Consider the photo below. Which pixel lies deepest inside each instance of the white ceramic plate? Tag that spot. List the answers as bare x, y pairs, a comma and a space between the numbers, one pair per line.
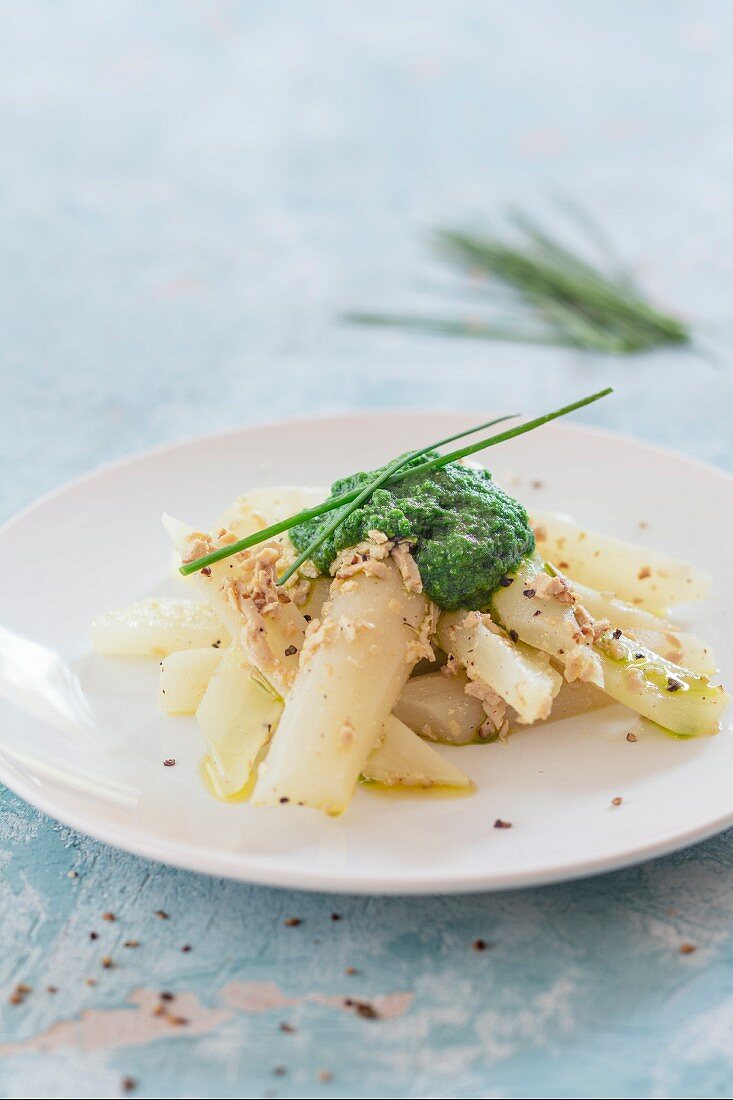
81, 737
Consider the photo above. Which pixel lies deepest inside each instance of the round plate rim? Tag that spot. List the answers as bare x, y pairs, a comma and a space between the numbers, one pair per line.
235, 868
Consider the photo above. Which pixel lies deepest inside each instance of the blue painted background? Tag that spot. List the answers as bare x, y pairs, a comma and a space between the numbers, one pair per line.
189, 193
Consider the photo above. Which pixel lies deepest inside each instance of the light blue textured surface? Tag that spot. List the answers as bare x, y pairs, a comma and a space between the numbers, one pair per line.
189, 194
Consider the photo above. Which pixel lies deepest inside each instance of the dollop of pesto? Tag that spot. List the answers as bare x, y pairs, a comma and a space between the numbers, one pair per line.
467, 532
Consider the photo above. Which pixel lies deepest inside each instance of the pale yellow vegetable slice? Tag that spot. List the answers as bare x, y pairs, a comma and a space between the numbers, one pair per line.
237, 715
521, 676
260, 508
436, 706
155, 627
404, 759
677, 698
184, 677
352, 671
659, 634
646, 578
281, 632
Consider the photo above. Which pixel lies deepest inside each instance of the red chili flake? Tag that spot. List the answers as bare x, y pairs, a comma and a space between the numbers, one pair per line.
161, 913
292, 922
108, 916
291, 650
687, 948
169, 763
499, 824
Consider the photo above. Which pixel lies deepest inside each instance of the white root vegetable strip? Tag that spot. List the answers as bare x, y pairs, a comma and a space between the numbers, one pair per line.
404, 759
644, 577
522, 678
658, 634
237, 716
437, 707
572, 700
646, 684
353, 668
156, 627
271, 642
260, 508
184, 677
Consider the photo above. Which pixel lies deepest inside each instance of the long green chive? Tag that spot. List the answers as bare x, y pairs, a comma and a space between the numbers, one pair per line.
400, 475
321, 509
371, 487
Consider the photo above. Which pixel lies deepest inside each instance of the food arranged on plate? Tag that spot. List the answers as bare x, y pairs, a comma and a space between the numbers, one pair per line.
328, 638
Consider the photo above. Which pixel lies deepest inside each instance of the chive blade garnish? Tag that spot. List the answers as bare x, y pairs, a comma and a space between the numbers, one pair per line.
422, 468
320, 509
387, 474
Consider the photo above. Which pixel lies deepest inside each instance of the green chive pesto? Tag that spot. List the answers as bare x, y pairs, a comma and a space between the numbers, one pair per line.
467, 532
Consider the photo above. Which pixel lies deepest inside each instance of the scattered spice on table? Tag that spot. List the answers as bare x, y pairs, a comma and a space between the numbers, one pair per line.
335, 916
186, 948
169, 763
288, 1029
128, 1084
107, 962
108, 916
479, 945
687, 948
94, 935
131, 943
616, 801
292, 922
499, 824
325, 1075
351, 970
161, 914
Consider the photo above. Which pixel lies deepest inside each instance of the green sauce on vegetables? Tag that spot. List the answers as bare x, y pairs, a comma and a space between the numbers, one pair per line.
467, 532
